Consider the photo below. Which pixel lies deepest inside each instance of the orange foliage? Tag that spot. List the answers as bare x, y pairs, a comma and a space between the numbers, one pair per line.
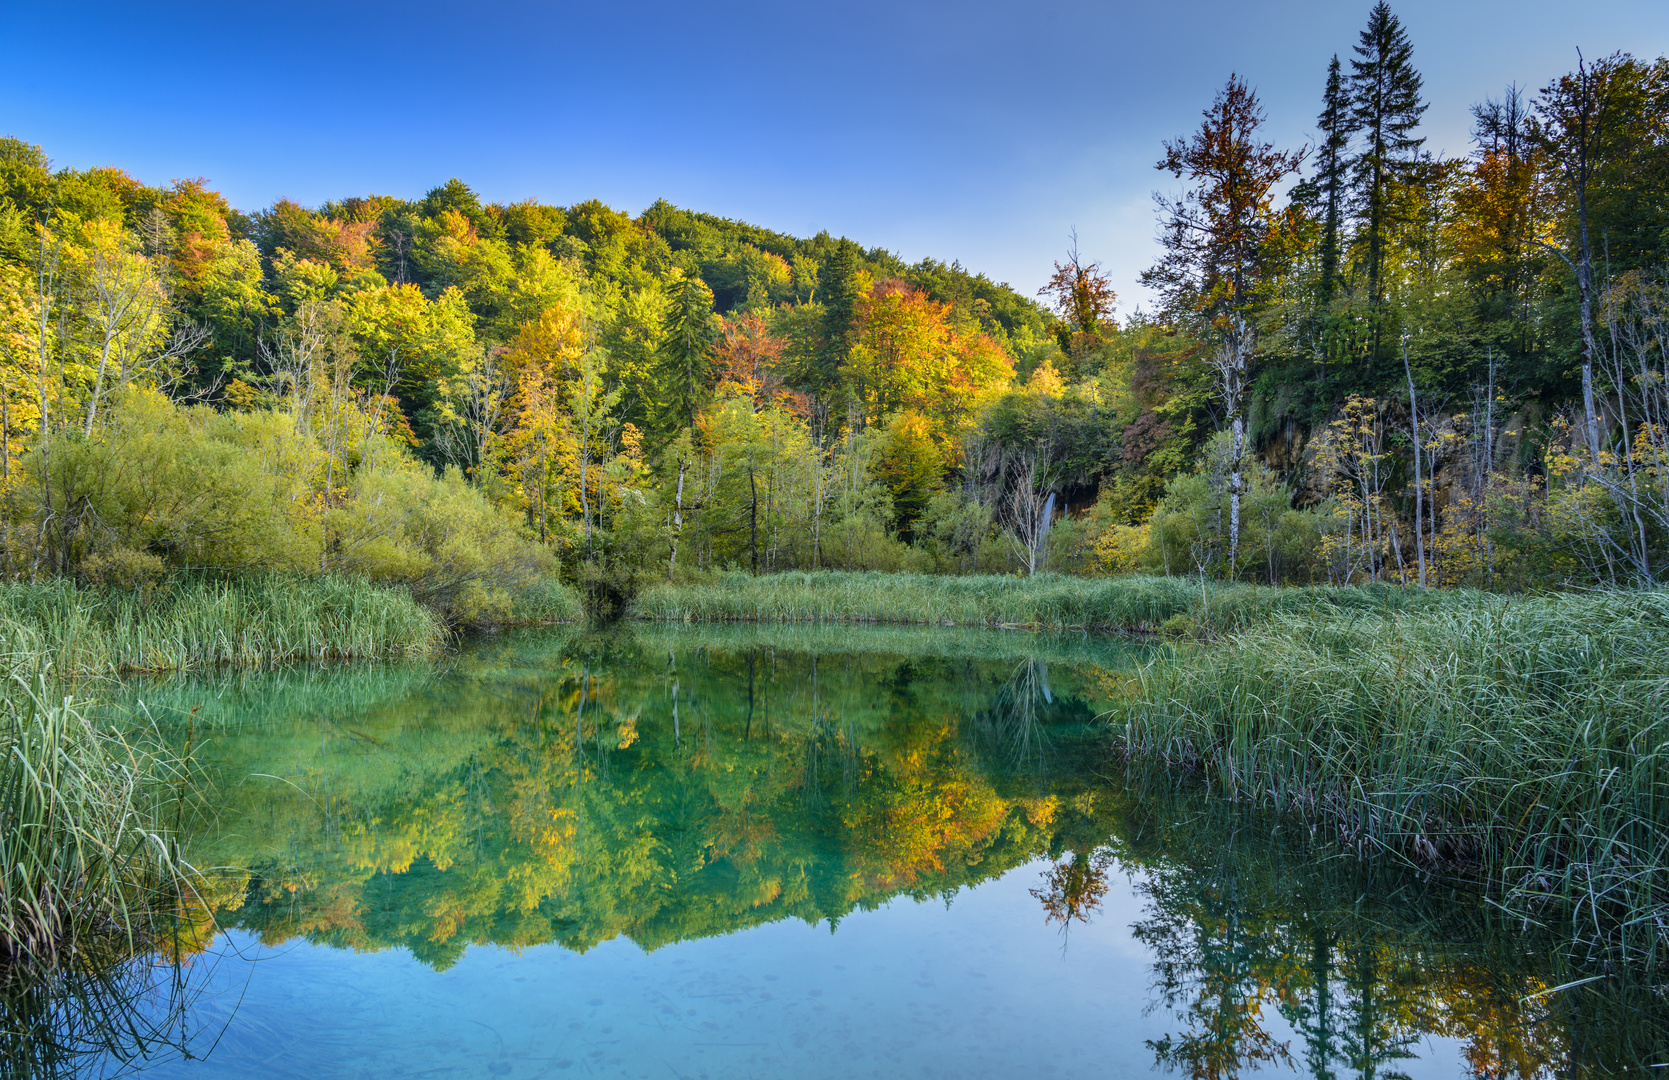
747, 357
909, 356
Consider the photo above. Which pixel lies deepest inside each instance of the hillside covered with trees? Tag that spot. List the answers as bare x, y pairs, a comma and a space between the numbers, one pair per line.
1369, 362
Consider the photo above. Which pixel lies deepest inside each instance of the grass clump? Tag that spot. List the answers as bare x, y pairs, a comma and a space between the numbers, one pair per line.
85, 864
195, 622
1525, 742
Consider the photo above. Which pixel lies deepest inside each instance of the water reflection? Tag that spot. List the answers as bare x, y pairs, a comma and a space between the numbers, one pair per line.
672, 786
103, 1016
1269, 953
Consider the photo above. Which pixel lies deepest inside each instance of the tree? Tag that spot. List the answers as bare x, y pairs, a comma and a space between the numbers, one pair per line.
686, 353
1576, 118
1386, 108
1500, 210
748, 357
1224, 244
1336, 124
1082, 294
840, 287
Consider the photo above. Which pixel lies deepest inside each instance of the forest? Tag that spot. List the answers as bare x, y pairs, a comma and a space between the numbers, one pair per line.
1368, 362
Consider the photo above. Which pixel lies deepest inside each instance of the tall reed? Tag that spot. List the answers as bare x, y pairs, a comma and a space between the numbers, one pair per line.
1524, 741
84, 863
197, 622
1047, 601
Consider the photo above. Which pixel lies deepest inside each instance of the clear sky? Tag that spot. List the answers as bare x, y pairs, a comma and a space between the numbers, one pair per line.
976, 131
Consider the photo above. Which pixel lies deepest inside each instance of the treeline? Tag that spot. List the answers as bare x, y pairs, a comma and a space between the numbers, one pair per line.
1369, 362
1457, 362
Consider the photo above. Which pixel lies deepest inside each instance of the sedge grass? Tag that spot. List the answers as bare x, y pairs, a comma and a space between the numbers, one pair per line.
195, 622
1523, 742
86, 866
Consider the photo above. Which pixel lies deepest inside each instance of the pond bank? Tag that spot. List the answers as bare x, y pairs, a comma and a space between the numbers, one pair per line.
270, 619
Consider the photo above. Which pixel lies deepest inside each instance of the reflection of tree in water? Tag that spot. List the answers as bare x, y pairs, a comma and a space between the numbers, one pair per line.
661, 794
1015, 732
1206, 948
1362, 964
615, 791
1073, 887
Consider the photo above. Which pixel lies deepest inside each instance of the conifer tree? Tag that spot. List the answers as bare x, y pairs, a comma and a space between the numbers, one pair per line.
1332, 172
1224, 247
1385, 108
686, 358
837, 288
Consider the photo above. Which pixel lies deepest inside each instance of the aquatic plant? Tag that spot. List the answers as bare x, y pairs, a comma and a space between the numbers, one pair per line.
84, 862
1524, 741
195, 622
1050, 601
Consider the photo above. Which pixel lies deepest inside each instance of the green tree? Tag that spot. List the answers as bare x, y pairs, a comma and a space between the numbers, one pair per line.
1385, 108
686, 353
839, 289
1331, 175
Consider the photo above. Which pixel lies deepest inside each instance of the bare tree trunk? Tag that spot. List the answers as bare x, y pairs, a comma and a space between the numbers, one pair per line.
1419, 489
677, 519
1231, 373
585, 498
753, 517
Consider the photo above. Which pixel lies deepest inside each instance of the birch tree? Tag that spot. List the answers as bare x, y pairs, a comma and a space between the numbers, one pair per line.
1224, 243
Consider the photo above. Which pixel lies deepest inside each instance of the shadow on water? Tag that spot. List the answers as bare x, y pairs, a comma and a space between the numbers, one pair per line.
673, 784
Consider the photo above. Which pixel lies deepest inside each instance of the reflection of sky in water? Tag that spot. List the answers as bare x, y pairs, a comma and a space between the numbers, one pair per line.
982, 988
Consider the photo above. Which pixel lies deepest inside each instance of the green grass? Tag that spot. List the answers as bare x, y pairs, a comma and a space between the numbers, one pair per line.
1524, 742
194, 622
84, 863
547, 601
1047, 601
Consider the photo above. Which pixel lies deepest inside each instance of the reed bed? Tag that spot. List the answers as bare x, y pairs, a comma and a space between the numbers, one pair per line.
194, 623
546, 601
85, 863
1047, 601
1524, 742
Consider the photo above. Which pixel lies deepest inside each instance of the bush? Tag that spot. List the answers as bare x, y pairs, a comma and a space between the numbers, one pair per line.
454, 551
191, 489
123, 568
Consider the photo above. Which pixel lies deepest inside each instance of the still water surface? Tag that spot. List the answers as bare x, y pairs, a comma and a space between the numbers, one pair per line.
794, 853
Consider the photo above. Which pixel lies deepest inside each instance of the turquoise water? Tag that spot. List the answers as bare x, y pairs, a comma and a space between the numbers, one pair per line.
793, 853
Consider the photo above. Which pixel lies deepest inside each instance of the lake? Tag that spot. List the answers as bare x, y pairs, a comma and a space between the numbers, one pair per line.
789, 852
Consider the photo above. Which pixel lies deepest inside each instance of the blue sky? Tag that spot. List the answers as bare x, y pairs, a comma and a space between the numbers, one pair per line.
977, 131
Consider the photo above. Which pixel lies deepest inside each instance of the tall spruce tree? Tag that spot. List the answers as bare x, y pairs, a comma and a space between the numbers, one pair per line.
1332, 172
686, 354
837, 288
1385, 108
